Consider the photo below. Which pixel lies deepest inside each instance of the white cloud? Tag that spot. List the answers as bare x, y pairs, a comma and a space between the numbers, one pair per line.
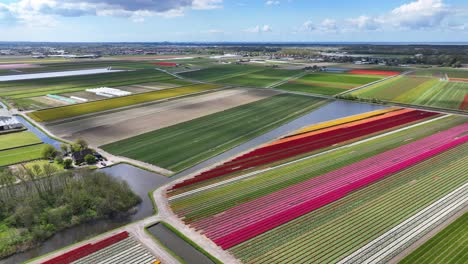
272, 2
259, 29
365, 23
328, 25
212, 31
419, 14
416, 15
31, 11
308, 26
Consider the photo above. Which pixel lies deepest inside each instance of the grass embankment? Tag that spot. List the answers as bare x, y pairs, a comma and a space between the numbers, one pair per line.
57, 85
328, 83
186, 144
102, 105
448, 246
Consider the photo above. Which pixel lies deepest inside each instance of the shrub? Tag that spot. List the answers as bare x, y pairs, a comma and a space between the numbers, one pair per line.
48, 152
67, 163
90, 159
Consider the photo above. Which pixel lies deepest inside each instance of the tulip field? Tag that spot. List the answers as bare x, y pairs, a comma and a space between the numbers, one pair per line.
270, 215
307, 142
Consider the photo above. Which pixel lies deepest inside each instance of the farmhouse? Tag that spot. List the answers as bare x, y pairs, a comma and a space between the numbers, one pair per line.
8, 122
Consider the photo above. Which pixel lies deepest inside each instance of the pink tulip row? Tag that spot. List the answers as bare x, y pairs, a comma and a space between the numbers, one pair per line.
248, 220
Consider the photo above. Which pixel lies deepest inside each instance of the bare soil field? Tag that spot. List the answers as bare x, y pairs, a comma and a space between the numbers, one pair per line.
106, 128
49, 101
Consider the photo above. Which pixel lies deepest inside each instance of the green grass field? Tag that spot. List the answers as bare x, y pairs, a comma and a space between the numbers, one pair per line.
241, 75
448, 246
39, 87
19, 139
426, 91
220, 72
328, 83
102, 105
336, 230
186, 144
262, 79
22, 154
216, 200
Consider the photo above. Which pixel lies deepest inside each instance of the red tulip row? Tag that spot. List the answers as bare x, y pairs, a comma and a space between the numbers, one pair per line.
464, 104
250, 219
87, 249
287, 149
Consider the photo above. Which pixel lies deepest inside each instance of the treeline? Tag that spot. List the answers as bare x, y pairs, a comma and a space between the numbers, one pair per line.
37, 202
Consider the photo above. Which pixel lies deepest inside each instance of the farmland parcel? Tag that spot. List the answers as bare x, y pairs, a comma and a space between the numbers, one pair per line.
39, 87
183, 145
97, 106
417, 90
105, 128
355, 214
328, 83
242, 75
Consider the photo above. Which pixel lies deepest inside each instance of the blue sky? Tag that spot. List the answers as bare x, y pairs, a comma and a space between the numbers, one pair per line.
234, 20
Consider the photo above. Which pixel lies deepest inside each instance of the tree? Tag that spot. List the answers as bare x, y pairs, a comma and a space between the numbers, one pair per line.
48, 152
65, 148
67, 163
90, 159
82, 143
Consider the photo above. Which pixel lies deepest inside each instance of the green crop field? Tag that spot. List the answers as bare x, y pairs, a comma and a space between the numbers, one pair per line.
219, 72
448, 246
419, 91
241, 75
22, 154
183, 145
19, 139
216, 200
39, 87
336, 230
102, 105
328, 83
263, 78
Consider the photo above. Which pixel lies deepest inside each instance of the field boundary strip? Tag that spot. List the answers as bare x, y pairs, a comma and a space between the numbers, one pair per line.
299, 160
381, 251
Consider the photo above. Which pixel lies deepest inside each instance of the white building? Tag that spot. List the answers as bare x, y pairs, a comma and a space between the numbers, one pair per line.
8, 122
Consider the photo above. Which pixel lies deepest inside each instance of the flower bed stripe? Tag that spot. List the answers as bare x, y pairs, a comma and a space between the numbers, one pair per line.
374, 72
248, 220
464, 104
87, 249
341, 121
